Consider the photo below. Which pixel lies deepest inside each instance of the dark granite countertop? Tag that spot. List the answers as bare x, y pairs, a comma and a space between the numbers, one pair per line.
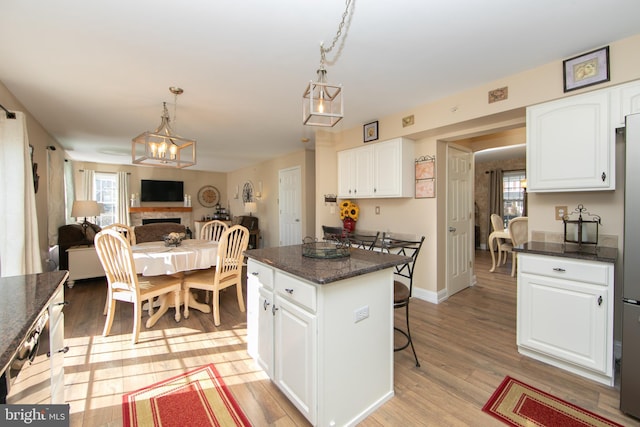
570, 250
22, 300
323, 271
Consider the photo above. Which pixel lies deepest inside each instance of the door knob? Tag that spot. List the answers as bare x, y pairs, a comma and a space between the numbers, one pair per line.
452, 229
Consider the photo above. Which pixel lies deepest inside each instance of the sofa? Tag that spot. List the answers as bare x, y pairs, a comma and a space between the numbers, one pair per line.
154, 232
73, 235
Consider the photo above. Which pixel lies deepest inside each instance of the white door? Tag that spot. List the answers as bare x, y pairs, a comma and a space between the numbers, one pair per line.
459, 219
289, 195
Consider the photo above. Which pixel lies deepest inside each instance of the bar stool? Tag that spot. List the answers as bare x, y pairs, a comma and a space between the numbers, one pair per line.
401, 291
366, 241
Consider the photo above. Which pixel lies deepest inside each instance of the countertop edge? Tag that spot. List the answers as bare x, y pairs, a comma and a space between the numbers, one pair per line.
591, 253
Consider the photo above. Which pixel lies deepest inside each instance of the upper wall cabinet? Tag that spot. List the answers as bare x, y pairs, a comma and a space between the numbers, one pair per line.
625, 100
571, 144
384, 169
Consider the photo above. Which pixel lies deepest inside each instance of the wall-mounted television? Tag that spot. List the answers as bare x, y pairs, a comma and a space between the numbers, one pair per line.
152, 190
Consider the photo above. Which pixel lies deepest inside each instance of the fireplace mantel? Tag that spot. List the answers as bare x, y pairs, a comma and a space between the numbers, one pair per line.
159, 209
137, 214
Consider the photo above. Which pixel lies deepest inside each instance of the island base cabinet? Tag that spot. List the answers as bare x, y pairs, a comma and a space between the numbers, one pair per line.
563, 321
333, 362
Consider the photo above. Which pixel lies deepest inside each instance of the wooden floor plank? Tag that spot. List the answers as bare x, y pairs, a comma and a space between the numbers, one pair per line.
466, 345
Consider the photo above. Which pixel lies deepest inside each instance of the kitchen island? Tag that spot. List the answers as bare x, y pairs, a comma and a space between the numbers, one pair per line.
565, 307
322, 329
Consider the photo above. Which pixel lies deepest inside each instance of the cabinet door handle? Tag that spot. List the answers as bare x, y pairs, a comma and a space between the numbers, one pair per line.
266, 304
62, 350
274, 309
604, 176
255, 273
63, 303
289, 291
600, 300
559, 270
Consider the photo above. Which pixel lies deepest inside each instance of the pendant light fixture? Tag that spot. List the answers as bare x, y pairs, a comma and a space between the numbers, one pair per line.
322, 102
162, 147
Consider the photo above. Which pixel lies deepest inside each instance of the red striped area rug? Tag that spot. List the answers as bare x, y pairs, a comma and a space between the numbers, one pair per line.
197, 398
518, 404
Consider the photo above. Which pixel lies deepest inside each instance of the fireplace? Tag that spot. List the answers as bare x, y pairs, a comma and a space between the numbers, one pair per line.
156, 220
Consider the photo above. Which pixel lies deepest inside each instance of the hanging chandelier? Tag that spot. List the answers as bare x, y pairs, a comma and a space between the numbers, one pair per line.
322, 102
162, 147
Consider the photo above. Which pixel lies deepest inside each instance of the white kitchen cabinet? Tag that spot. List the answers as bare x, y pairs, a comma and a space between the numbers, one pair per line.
335, 367
355, 172
384, 169
83, 263
565, 314
625, 100
57, 349
571, 144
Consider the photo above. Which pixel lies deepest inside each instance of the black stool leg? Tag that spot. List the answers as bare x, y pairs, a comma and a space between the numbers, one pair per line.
410, 340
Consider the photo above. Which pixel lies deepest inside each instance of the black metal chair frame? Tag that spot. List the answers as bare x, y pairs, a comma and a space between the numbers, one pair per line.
410, 248
333, 233
363, 241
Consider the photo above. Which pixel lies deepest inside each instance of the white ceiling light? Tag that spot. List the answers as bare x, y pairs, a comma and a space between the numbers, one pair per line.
162, 147
322, 102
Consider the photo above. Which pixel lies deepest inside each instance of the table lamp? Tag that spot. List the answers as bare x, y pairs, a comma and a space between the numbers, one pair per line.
85, 208
250, 207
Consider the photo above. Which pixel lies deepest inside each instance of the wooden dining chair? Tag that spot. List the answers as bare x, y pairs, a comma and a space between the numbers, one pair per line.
519, 231
504, 246
213, 230
126, 231
114, 252
227, 272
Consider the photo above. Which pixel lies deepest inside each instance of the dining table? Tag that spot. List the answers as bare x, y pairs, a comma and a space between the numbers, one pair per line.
500, 234
155, 259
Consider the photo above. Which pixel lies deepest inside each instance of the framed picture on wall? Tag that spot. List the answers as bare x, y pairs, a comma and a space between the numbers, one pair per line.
587, 69
425, 177
371, 131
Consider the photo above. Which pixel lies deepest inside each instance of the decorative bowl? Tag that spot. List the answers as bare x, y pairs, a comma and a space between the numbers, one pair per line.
173, 239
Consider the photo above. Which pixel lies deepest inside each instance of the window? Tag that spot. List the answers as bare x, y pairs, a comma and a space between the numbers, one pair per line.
513, 195
106, 194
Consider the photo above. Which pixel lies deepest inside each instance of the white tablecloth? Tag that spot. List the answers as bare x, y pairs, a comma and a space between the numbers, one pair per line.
154, 258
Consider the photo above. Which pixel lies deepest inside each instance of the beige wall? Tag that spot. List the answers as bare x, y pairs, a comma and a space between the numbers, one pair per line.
459, 117
268, 213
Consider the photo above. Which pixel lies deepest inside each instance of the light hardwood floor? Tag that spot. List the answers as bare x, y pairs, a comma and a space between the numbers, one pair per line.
466, 346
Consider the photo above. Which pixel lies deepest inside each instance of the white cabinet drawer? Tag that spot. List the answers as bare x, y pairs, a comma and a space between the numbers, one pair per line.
262, 272
568, 269
296, 291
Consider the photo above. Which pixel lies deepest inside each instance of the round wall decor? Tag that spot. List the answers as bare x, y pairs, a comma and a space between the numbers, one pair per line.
208, 196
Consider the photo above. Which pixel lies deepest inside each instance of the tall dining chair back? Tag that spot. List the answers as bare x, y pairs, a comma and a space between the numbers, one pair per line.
213, 230
403, 285
504, 246
519, 232
365, 241
128, 233
227, 272
124, 229
332, 233
116, 257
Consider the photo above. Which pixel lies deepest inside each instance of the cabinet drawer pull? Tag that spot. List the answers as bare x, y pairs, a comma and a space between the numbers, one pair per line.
600, 300
62, 350
63, 303
559, 270
255, 273
289, 291
604, 177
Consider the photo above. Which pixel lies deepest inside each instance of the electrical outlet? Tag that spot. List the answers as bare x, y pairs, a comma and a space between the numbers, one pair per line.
561, 211
377, 210
361, 313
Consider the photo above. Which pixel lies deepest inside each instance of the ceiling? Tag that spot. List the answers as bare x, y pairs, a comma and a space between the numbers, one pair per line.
95, 74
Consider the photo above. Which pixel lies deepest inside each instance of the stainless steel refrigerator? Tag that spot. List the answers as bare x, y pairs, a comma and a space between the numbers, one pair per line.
630, 362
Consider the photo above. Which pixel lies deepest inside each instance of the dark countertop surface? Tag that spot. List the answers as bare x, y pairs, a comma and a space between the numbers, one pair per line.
22, 300
570, 250
323, 271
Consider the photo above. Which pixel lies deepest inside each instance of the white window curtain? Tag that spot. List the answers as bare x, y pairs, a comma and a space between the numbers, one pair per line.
69, 191
122, 210
88, 181
19, 245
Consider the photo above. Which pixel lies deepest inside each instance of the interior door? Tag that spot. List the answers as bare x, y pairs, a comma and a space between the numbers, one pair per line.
459, 219
289, 193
